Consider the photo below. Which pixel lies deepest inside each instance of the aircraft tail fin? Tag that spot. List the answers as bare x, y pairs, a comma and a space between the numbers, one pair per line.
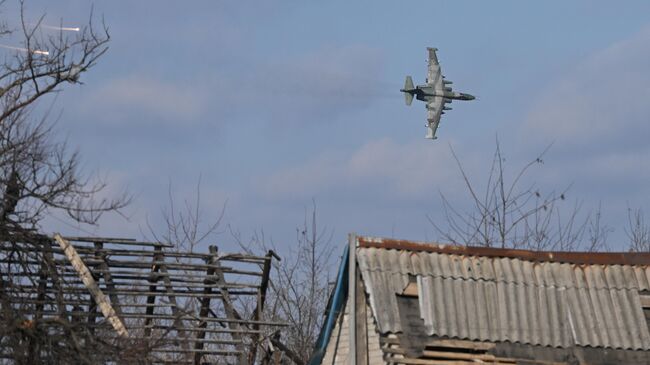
408, 85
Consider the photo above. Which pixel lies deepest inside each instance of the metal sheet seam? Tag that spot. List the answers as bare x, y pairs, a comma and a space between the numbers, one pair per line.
547, 304
615, 277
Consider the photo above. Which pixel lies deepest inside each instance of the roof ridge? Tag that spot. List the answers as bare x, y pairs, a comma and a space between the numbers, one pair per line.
573, 257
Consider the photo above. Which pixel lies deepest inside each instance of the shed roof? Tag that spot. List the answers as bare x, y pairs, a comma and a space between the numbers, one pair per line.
540, 298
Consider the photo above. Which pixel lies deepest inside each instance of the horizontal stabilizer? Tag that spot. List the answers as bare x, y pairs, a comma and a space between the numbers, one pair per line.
408, 98
408, 86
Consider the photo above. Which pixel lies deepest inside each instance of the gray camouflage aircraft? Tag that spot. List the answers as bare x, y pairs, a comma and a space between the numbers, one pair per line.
435, 93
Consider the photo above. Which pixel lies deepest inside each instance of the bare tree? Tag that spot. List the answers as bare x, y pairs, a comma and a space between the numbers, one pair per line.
299, 286
597, 232
185, 225
40, 176
37, 173
637, 230
512, 213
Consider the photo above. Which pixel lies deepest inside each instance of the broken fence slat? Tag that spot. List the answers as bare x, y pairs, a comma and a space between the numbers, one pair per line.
87, 278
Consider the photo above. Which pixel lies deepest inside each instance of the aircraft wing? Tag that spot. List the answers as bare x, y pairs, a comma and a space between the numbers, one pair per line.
434, 111
434, 76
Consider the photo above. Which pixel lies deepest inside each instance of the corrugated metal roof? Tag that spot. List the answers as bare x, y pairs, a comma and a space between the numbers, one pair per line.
510, 299
606, 258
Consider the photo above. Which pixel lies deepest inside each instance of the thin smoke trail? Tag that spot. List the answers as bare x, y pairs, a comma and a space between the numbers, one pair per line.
36, 51
70, 29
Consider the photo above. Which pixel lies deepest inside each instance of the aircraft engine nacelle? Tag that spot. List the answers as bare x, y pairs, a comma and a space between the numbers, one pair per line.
447, 82
447, 89
446, 108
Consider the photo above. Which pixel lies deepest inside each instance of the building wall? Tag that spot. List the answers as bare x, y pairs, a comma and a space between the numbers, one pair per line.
375, 354
337, 352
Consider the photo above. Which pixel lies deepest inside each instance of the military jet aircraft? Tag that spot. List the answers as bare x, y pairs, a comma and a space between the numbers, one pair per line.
435, 93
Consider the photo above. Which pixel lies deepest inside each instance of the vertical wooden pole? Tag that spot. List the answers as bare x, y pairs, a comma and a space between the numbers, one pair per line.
203, 312
231, 313
361, 322
151, 299
108, 279
34, 345
92, 306
42, 285
257, 314
352, 309
177, 313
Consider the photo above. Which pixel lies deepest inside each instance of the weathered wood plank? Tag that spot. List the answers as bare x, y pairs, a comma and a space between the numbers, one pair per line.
108, 280
203, 312
88, 280
410, 361
411, 290
153, 288
231, 312
463, 344
361, 322
452, 355
259, 309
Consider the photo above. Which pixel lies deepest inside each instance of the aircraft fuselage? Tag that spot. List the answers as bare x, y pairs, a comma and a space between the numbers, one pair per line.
436, 93
427, 93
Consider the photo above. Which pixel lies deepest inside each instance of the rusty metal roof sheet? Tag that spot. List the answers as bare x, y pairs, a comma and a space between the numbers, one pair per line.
606, 258
497, 299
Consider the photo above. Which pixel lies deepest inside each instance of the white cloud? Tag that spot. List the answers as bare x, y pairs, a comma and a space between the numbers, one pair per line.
598, 116
157, 98
401, 171
603, 100
286, 90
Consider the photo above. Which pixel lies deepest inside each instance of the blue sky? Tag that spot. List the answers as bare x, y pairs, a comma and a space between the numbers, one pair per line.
273, 104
